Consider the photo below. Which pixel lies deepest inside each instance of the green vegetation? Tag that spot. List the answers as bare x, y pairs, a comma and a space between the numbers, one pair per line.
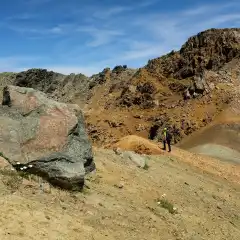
146, 167
7, 74
3, 156
164, 203
11, 179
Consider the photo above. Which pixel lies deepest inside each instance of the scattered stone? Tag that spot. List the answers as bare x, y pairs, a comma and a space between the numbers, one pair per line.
117, 151
138, 116
137, 159
119, 185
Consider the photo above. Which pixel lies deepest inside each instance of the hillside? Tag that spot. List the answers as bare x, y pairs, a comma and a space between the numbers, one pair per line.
126, 202
154, 96
166, 92
137, 191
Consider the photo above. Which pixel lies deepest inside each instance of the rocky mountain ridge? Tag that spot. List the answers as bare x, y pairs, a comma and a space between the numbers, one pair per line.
184, 90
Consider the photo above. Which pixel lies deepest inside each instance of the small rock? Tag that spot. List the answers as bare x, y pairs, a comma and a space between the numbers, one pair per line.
117, 151
140, 161
137, 116
119, 185
90, 213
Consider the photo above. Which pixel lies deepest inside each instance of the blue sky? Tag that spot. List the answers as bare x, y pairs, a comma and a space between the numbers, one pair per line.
87, 35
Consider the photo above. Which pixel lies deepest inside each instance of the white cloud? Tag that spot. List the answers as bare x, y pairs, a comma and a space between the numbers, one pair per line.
37, 2
16, 63
209, 8
39, 31
22, 16
56, 30
107, 13
148, 3
139, 51
100, 36
115, 37
173, 29
223, 18
23, 63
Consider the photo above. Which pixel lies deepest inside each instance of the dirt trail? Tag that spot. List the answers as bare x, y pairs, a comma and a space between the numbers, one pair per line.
122, 204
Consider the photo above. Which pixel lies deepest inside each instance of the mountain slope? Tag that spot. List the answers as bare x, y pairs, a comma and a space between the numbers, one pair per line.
166, 92
154, 96
121, 202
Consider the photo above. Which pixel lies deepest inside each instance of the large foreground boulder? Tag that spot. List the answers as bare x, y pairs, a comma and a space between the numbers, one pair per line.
46, 134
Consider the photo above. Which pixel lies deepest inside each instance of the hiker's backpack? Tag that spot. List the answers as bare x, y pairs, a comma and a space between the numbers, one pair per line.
169, 136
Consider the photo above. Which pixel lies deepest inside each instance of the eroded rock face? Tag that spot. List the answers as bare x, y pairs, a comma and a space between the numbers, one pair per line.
209, 50
48, 135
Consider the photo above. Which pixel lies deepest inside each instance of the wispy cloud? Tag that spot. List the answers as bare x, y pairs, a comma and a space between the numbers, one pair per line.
22, 16
22, 63
172, 30
17, 63
107, 13
131, 34
100, 36
37, 2
55, 30
148, 3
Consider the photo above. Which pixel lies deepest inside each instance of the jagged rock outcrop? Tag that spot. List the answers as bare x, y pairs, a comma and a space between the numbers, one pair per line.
195, 83
99, 78
209, 50
66, 88
48, 135
40, 79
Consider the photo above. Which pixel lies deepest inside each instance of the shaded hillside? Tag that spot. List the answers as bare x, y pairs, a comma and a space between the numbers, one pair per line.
58, 86
73, 88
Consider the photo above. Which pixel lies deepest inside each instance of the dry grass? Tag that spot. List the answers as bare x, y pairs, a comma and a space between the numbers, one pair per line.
105, 212
11, 179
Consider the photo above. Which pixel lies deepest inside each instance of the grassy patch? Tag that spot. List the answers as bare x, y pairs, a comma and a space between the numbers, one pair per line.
85, 190
164, 203
146, 167
11, 179
3, 156
6, 74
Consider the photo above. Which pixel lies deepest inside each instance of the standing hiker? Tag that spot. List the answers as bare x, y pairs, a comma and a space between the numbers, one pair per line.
167, 137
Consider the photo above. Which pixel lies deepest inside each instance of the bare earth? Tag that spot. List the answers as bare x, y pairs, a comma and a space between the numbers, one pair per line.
122, 202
